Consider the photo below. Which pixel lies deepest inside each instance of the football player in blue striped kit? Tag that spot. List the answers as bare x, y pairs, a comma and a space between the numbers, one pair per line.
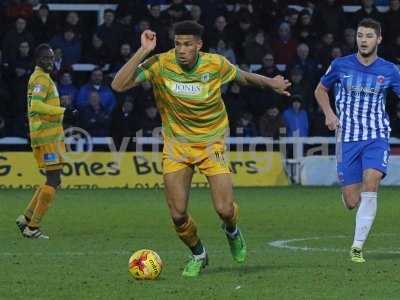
361, 82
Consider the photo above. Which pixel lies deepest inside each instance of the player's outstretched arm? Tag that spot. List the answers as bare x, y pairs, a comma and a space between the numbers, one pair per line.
331, 120
278, 83
126, 76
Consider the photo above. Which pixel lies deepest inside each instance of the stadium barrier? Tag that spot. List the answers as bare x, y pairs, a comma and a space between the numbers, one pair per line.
301, 160
312, 167
91, 170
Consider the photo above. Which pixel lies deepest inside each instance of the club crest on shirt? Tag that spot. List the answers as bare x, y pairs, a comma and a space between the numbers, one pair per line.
380, 79
37, 88
205, 77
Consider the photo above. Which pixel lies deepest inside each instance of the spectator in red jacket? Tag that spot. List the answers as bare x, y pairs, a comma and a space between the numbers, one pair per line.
284, 46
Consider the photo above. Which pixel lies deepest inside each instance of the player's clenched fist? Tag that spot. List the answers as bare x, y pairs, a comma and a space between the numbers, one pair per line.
332, 122
148, 40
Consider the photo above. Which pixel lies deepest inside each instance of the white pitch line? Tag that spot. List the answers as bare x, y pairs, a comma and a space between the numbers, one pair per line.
66, 253
285, 244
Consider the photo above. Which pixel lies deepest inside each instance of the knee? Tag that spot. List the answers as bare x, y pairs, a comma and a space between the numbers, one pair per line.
53, 181
179, 218
370, 187
225, 211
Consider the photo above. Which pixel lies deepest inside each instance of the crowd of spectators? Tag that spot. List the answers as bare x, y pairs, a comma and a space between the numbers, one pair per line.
268, 37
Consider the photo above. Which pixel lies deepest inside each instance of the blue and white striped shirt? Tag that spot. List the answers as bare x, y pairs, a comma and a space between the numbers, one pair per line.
360, 93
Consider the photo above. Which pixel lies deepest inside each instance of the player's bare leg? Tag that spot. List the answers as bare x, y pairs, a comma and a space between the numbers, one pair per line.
366, 212
222, 195
351, 195
177, 189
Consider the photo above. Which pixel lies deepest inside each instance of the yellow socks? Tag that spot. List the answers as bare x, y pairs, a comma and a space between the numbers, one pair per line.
187, 232
44, 199
32, 204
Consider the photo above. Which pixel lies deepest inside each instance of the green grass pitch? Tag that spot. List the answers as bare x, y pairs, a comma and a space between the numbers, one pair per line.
93, 233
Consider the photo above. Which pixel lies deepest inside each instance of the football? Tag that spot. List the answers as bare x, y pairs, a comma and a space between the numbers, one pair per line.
145, 264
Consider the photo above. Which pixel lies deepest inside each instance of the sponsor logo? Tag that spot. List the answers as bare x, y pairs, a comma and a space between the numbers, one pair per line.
346, 76
50, 158
191, 89
362, 89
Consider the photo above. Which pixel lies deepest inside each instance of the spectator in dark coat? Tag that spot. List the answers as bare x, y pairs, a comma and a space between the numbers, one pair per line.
99, 53
69, 44
94, 118
110, 32
392, 21
20, 70
125, 121
330, 17
318, 127
245, 125
269, 67
67, 87
43, 25
256, 48
395, 123
5, 102
13, 39
301, 86
235, 103
150, 121
349, 41
73, 21
125, 53
218, 32
393, 50
71, 115
307, 64
271, 123
177, 11
135, 8
367, 10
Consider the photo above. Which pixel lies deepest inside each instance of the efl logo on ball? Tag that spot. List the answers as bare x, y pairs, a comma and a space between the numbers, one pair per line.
145, 264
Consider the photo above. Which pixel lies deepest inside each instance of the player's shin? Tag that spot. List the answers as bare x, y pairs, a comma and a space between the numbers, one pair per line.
187, 232
230, 224
365, 218
45, 199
